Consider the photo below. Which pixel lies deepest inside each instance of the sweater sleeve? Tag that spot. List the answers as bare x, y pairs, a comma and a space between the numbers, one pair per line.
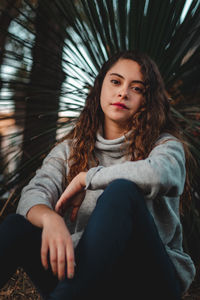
48, 183
161, 173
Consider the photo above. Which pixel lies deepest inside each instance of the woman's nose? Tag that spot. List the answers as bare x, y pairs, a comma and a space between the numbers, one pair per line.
123, 93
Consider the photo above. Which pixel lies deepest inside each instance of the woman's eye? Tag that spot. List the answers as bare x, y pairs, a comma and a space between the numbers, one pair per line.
137, 89
115, 82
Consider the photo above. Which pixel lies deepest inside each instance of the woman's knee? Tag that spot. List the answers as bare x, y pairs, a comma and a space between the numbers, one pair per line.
13, 219
123, 184
122, 193
16, 225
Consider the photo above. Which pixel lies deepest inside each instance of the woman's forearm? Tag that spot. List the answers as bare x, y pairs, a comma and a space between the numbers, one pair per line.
38, 213
55, 239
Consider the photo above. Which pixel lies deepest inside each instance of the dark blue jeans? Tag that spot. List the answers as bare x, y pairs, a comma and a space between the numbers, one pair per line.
119, 256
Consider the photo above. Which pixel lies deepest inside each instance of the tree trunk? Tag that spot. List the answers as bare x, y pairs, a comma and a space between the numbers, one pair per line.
46, 78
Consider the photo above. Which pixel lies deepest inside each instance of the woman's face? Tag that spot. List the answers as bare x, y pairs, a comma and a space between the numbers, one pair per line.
122, 92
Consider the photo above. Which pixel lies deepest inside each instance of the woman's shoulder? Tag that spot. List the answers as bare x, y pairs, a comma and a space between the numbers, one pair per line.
169, 143
165, 137
60, 150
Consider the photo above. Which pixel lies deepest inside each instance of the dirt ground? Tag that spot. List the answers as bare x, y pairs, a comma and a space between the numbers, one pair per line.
21, 288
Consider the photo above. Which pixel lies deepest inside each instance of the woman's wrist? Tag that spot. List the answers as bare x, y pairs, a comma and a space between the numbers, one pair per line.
38, 214
47, 215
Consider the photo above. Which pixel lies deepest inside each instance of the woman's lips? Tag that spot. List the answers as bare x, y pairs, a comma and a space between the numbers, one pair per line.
120, 105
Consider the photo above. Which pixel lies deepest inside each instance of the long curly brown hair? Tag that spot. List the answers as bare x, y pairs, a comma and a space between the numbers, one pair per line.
152, 119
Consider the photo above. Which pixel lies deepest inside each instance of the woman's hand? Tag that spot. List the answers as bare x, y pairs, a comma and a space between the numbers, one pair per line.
72, 196
56, 240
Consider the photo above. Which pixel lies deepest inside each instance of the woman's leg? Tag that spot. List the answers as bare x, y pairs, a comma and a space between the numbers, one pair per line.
120, 252
20, 246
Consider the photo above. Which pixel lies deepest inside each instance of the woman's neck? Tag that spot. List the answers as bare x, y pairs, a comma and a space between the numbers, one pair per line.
113, 132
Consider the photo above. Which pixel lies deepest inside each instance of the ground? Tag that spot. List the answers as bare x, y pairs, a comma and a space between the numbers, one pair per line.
21, 288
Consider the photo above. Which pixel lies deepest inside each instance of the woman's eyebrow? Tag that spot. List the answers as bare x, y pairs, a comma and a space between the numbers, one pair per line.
133, 81
116, 74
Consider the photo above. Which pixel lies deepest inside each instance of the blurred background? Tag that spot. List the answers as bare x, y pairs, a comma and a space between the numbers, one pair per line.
50, 53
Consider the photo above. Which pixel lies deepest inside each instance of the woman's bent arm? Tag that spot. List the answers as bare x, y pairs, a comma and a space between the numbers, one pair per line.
56, 240
162, 172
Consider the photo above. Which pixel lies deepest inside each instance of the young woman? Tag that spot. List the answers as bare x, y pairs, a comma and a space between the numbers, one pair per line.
118, 179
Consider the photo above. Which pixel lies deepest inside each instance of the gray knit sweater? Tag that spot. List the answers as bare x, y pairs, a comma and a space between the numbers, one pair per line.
161, 177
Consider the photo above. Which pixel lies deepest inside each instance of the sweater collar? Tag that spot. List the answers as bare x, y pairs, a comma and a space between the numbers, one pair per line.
114, 148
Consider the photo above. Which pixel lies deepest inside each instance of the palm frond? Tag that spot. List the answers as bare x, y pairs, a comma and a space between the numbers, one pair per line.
52, 51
